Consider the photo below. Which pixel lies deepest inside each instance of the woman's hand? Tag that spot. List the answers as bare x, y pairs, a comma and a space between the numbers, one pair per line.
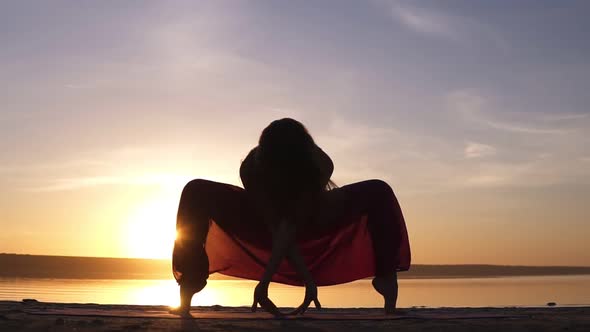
311, 289
282, 237
261, 297
311, 294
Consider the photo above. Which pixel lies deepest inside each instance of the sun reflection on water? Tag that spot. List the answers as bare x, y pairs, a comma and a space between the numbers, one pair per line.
565, 290
217, 292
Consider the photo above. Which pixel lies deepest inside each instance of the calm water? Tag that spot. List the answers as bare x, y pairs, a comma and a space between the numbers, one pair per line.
507, 291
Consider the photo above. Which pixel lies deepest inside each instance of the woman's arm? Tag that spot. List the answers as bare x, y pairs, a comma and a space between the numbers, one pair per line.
282, 239
295, 258
284, 245
300, 218
311, 289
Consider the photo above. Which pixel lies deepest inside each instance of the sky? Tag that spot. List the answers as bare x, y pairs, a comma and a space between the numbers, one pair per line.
475, 112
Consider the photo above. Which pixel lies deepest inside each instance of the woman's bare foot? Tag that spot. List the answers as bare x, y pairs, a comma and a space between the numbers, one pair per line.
186, 296
387, 287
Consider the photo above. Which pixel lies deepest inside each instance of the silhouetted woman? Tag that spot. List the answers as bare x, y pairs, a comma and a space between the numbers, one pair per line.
289, 224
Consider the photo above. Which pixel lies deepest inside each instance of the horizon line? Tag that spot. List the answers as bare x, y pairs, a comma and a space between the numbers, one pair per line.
418, 264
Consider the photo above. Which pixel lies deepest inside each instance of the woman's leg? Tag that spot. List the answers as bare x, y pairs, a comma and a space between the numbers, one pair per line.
376, 200
200, 202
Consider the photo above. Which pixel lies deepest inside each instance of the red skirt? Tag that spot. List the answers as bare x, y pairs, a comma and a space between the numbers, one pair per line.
342, 252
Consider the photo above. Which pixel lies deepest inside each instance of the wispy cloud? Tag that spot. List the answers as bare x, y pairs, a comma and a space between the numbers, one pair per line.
424, 22
535, 172
465, 101
486, 180
478, 150
520, 128
67, 184
76, 86
52, 166
565, 117
446, 25
494, 174
477, 108
537, 146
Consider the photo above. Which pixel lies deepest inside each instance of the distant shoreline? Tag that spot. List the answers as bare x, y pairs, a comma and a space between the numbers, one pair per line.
70, 267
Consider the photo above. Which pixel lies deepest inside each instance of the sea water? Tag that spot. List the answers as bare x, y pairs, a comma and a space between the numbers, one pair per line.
458, 292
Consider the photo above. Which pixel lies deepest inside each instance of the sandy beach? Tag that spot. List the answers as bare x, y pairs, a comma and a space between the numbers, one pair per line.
38, 316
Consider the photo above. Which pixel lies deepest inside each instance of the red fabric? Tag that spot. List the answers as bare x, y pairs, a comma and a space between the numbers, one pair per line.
344, 255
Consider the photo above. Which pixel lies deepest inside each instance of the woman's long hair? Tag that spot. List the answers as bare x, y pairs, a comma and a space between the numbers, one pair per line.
285, 154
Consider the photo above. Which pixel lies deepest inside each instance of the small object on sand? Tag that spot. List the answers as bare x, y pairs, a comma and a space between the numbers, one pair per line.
60, 321
30, 301
551, 304
216, 307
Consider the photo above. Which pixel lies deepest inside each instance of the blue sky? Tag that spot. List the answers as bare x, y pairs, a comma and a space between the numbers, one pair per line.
476, 112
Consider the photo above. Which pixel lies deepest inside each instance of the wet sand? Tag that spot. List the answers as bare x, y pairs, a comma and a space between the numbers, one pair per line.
38, 316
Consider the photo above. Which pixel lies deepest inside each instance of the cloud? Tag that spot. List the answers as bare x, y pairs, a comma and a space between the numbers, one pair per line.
537, 146
486, 180
519, 128
67, 184
424, 22
534, 172
478, 150
44, 167
466, 101
474, 107
565, 117
76, 86
343, 134
447, 25
494, 174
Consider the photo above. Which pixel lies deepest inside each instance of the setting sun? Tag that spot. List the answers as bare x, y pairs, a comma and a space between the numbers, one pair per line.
151, 229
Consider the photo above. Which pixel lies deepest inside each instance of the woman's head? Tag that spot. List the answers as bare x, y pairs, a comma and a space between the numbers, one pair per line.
285, 140
285, 154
